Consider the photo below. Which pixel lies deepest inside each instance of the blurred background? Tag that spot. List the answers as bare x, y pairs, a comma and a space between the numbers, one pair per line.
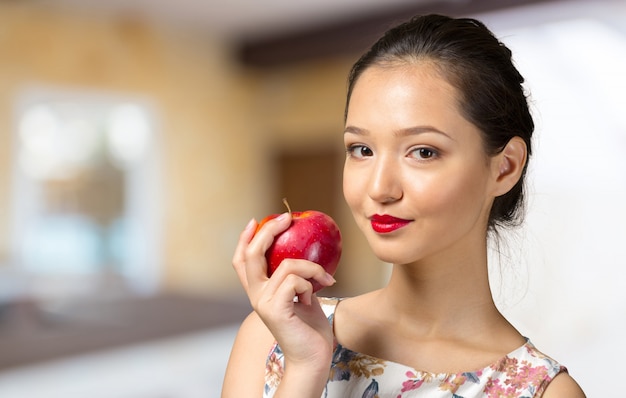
138, 137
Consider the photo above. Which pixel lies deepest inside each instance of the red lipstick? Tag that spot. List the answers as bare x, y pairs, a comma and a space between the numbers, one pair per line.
385, 223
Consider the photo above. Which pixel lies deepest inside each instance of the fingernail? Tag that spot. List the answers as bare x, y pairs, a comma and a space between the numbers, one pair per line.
282, 217
329, 278
250, 224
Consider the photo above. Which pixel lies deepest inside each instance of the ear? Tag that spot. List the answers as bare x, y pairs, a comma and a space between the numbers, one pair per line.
508, 165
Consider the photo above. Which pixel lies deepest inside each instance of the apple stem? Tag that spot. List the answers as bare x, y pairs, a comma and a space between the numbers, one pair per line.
287, 204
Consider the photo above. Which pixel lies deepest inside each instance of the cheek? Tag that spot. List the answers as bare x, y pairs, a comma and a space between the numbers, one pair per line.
354, 188
349, 186
452, 195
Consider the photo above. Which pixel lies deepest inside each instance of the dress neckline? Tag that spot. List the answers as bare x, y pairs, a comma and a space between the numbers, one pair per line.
526, 346
498, 364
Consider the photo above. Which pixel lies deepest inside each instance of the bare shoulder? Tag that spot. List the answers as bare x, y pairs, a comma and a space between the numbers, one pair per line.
247, 359
562, 386
357, 317
360, 302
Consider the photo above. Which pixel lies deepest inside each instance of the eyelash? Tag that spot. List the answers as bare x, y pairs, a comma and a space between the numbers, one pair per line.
351, 150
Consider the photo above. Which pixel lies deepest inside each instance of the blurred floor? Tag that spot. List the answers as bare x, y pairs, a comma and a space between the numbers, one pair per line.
33, 331
166, 346
185, 366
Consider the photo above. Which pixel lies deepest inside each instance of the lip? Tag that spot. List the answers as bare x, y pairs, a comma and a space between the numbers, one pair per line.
384, 223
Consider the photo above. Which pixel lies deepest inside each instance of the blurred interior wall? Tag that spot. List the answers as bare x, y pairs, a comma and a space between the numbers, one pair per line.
204, 128
218, 126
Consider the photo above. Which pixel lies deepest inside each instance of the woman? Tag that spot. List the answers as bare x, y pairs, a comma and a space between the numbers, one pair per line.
437, 135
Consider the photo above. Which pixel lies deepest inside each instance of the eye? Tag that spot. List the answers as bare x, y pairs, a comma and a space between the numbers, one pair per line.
359, 151
424, 153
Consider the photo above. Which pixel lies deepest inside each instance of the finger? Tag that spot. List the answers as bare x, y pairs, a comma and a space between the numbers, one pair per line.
277, 308
255, 263
314, 316
302, 268
295, 286
239, 258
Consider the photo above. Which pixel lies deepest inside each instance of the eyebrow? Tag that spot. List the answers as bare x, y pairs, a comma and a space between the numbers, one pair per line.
414, 130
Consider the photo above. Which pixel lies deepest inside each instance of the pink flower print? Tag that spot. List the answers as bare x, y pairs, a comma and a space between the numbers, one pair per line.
494, 389
528, 375
413, 383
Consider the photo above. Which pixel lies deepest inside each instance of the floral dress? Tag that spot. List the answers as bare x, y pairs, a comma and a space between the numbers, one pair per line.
523, 373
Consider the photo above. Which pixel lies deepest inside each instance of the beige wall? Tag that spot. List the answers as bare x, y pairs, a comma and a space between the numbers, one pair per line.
217, 125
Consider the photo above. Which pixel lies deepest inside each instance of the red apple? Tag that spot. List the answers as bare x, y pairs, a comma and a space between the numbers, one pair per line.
312, 236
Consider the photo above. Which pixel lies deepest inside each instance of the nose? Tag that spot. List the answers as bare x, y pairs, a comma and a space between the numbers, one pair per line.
385, 182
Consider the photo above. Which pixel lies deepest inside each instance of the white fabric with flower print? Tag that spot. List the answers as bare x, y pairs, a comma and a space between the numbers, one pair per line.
523, 373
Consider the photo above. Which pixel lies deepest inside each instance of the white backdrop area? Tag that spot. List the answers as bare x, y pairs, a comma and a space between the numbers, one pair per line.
562, 279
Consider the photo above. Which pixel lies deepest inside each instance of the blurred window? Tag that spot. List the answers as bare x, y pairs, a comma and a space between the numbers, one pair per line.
85, 199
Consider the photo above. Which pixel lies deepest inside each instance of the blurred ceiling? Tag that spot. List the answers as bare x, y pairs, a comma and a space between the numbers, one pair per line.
273, 32
237, 18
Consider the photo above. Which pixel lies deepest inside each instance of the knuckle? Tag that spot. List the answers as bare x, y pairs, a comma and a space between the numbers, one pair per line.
237, 260
292, 279
297, 283
288, 264
250, 251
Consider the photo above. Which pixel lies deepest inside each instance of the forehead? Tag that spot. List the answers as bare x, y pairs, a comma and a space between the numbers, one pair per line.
405, 93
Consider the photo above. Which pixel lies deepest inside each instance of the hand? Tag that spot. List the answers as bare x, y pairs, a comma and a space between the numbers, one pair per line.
299, 326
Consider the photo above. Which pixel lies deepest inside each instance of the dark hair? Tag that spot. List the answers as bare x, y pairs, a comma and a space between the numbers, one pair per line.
480, 67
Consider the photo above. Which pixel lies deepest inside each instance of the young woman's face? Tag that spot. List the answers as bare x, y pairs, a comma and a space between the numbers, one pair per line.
416, 177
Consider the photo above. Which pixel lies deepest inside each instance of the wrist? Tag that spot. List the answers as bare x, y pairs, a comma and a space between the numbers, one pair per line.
303, 380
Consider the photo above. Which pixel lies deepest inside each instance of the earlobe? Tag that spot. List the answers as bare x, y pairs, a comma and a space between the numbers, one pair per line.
510, 164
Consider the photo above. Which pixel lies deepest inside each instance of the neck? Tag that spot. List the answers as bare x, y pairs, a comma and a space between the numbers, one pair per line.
443, 295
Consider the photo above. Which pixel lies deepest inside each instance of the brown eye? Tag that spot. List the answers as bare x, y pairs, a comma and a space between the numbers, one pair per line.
365, 151
424, 153
359, 151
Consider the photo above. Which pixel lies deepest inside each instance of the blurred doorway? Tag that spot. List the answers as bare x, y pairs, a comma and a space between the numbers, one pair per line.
310, 180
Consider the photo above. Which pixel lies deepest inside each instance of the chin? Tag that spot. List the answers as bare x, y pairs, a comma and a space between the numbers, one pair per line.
395, 260
394, 254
